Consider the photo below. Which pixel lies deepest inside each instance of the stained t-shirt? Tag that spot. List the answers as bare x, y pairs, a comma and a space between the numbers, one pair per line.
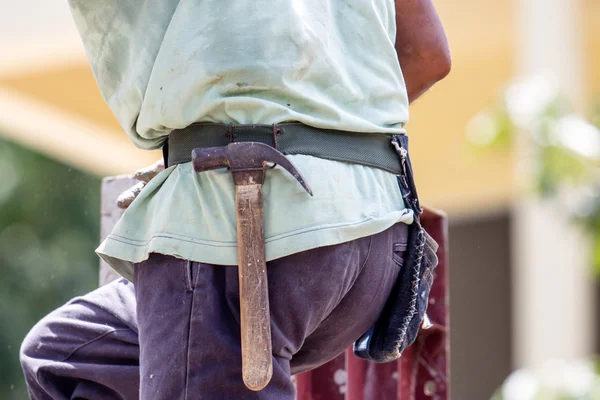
164, 64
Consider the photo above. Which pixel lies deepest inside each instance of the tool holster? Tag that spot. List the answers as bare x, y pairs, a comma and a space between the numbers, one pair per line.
405, 311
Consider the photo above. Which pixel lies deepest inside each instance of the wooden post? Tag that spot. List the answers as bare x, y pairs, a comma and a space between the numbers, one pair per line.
112, 187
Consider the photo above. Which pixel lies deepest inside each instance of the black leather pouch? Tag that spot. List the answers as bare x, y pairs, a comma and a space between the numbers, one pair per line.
398, 325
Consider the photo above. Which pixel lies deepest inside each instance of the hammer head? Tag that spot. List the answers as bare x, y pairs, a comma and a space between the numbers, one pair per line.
246, 160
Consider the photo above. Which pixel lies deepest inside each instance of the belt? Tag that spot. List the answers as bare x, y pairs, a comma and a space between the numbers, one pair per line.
370, 149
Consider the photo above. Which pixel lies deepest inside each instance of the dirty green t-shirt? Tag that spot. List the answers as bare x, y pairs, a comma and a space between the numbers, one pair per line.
164, 64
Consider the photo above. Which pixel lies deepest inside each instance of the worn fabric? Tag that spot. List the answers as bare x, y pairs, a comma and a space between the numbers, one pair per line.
165, 64
192, 216
86, 349
187, 323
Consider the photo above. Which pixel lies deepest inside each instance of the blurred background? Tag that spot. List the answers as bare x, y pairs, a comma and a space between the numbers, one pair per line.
508, 145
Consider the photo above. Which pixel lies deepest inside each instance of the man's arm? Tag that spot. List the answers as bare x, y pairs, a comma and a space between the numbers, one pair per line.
421, 46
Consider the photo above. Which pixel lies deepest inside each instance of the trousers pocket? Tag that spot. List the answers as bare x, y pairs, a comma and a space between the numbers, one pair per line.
398, 325
188, 270
398, 250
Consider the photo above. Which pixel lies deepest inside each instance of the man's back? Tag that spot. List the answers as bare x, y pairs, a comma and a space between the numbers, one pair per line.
164, 64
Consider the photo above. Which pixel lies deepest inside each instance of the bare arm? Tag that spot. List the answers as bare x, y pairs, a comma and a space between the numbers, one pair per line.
421, 46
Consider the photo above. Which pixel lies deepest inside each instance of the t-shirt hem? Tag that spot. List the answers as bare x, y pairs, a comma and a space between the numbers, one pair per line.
121, 253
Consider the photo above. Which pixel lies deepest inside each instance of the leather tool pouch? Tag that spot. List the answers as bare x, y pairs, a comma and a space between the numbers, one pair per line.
398, 325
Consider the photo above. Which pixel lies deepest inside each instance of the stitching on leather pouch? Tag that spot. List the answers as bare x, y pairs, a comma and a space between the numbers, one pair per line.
412, 307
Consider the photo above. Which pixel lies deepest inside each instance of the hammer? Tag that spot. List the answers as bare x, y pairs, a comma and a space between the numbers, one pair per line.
247, 162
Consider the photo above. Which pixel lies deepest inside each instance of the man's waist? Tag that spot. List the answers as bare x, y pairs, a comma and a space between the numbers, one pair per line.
364, 148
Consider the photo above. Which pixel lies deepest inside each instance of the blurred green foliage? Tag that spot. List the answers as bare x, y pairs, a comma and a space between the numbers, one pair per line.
49, 228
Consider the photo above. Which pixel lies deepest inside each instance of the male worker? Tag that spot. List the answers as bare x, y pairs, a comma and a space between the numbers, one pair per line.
319, 80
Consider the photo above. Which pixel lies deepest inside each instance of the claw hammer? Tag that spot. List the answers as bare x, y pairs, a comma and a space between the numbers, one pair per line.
247, 162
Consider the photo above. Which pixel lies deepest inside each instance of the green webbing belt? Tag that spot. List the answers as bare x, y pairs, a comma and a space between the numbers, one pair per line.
371, 149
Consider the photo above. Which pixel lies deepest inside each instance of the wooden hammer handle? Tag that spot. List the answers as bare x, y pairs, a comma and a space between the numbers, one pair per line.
255, 321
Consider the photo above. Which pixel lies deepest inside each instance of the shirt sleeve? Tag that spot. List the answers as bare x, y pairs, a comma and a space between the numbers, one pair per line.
122, 40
